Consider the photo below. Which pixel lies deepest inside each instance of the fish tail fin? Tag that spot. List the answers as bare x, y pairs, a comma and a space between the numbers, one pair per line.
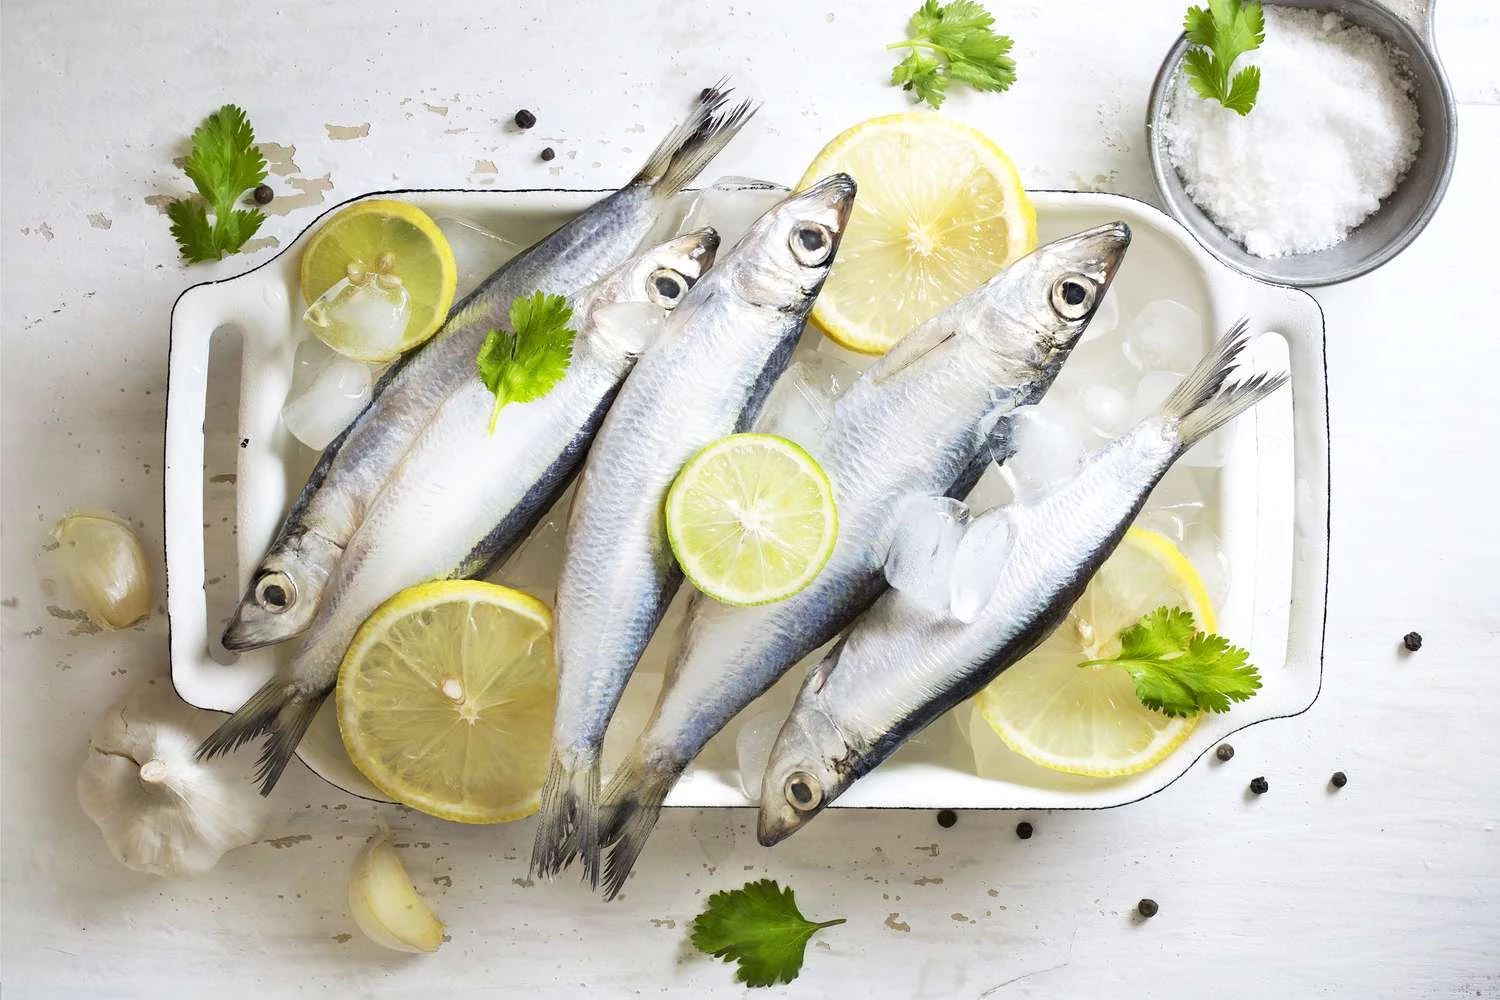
632, 804
1205, 400
281, 713
698, 138
568, 826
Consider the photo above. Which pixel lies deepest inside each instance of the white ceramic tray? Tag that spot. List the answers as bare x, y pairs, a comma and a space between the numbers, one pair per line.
1272, 507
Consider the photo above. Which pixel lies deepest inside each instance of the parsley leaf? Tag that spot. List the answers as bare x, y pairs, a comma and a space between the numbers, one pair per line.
953, 41
1222, 33
524, 364
760, 927
224, 164
1180, 671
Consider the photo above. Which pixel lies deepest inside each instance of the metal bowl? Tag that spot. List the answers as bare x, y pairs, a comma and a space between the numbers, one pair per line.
1400, 217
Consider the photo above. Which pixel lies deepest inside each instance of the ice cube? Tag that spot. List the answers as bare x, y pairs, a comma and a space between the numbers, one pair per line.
374, 310
477, 251
992, 490
1165, 336
1094, 389
1048, 449
941, 743
920, 563
1201, 546
1106, 319
328, 391
801, 402
731, 205
752, 749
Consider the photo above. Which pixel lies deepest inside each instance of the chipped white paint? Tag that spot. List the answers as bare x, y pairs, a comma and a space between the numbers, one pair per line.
1387, 888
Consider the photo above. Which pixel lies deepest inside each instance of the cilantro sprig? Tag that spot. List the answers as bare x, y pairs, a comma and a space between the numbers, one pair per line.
224, 164
524, 364
1220, 35
759, 927
1179, 670
948, 42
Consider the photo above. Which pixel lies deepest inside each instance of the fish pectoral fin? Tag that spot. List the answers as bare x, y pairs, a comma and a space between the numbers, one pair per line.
912, 348
921, 557
978, 560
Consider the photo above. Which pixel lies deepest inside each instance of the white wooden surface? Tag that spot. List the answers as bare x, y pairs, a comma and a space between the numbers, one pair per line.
1388, 888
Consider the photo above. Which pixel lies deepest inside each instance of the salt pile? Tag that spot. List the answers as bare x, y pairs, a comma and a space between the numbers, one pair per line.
1333, 132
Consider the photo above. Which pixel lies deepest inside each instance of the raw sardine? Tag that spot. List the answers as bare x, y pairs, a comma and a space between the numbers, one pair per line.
466, 493
706, 378
917, 653
287, 585
920, 424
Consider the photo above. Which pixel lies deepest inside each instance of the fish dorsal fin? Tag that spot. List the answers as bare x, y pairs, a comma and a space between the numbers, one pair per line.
920, 561
628, 327
978, 561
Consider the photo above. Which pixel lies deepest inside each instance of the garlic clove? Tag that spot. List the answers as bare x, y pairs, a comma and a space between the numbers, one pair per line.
106, 566
385, 904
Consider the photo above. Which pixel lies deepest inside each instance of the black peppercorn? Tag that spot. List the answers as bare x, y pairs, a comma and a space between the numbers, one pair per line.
1225, 752
1260, 786
1147, 908
1339, 779
1023, 830
1412, 641
946, 818
549, 153
263, 194
525, 119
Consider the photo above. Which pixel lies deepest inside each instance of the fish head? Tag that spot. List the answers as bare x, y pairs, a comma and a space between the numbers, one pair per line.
1032, 313
625, 311
783, 259
283, 595
807, 768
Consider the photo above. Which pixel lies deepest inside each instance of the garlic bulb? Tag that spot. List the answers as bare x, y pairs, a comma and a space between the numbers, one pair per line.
160, 810
107, 568
385, 904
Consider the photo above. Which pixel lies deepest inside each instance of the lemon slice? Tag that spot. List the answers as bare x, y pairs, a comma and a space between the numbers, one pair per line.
380, 239
751, 519
940, 210
445, 700
1087, 720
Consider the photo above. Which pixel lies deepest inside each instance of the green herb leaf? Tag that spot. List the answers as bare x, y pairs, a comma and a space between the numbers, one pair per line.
223, 165
1180, 671
1222, 33
953, 41
759, 927
524, 364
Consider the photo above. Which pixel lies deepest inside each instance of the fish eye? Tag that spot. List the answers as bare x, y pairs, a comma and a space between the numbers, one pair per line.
811, 243
666, 287
275, 592
1073, 296
803, 792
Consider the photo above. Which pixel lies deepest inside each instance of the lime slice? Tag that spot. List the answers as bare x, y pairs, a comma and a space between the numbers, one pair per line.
941, 209
445, 700
751, 519
390, 242
1087, 720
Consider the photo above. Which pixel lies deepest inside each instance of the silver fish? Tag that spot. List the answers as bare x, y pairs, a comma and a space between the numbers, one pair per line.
467, 493
286, 587
921, 423
722, 350
915, 654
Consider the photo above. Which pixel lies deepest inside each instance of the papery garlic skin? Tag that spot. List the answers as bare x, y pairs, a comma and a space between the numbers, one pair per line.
107, 568
385, 903
160, 810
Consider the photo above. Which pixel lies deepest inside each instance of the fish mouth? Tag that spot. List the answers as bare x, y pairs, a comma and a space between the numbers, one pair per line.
834, 193
772, 829
241, 636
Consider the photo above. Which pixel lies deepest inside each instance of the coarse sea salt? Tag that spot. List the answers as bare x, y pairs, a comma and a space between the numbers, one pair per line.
1333, 132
